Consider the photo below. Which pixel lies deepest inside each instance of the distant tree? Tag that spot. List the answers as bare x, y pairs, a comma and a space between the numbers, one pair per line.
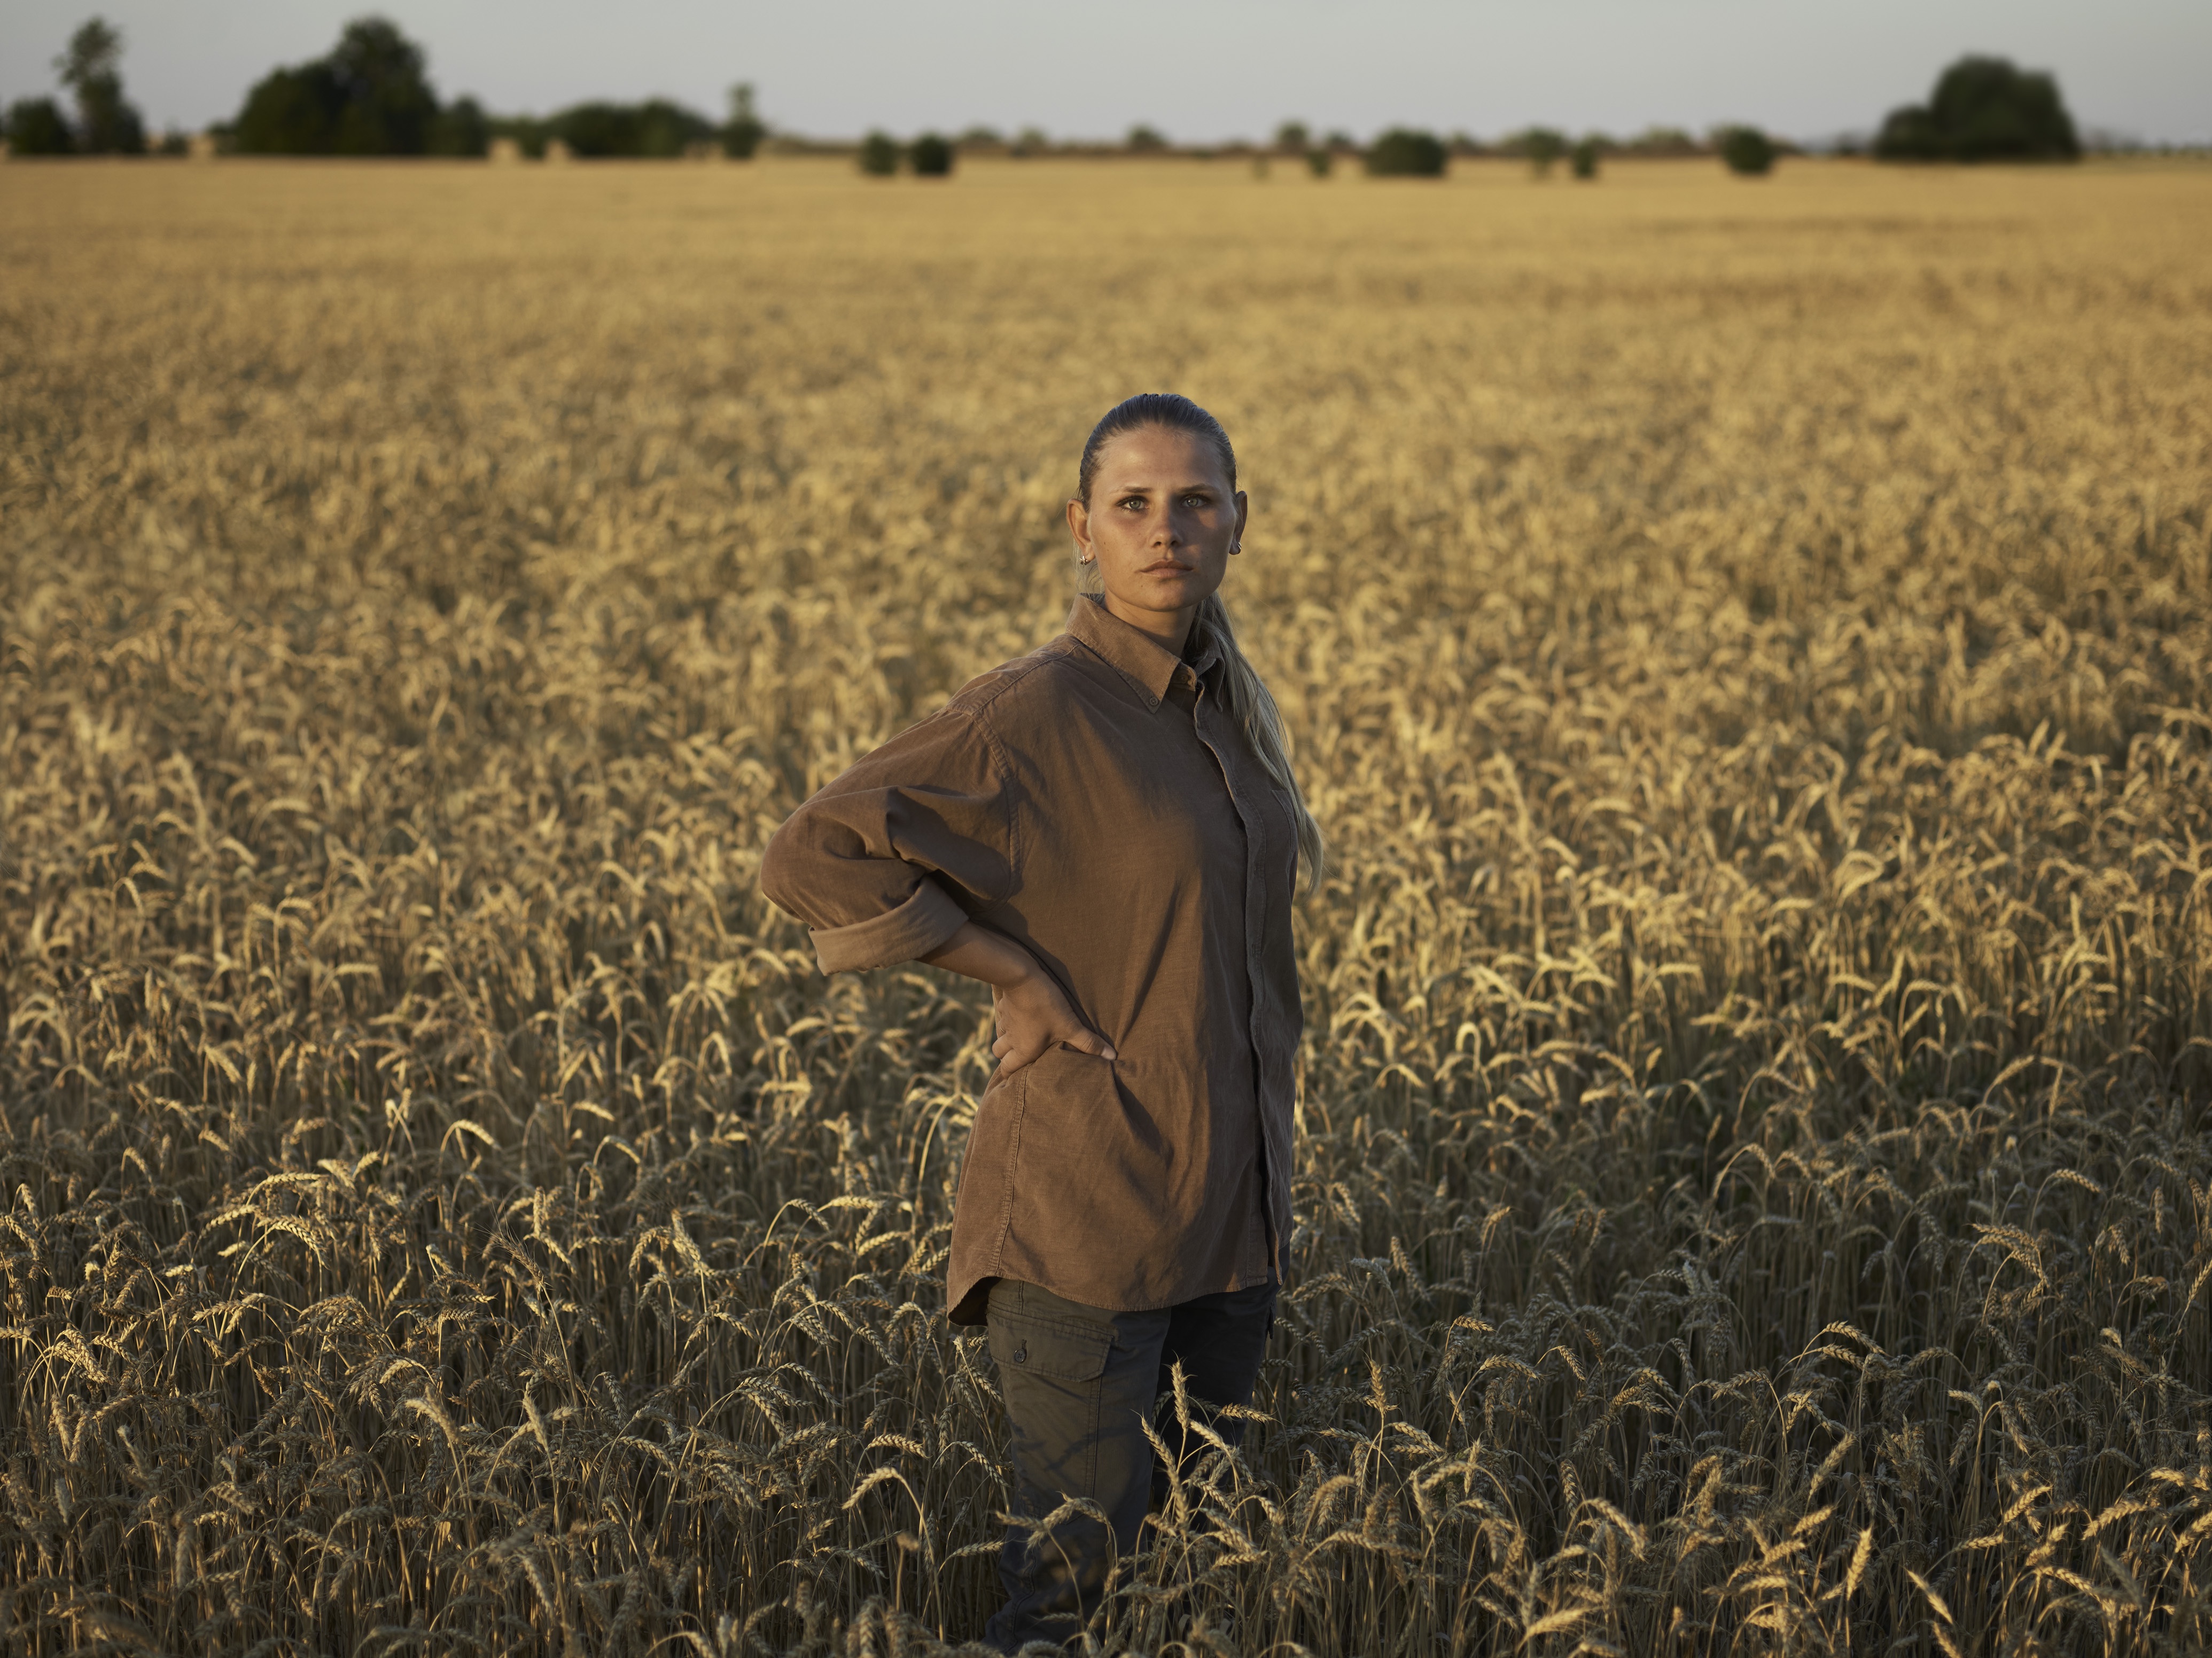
1031, 141
743, 132
1584, 161
1319, 160
1292, 137
461, 128
1984, 110
1541, 146
106, 124
291, 112
369, 97
1746, 150
1465, 144
879, 155
389, 105
979, 136
1144, 139
656, 130
931, 155
1663, 141
36, 126
1405, 153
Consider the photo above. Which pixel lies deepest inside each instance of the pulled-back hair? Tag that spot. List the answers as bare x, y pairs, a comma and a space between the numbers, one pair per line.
1250, 703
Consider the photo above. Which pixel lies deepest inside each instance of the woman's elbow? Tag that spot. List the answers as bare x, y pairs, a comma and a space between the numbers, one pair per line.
783, 868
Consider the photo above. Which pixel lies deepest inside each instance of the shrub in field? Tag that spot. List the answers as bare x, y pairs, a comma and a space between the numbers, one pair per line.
1294, 138
1745, 150
1405, 153
36, 126
1319, 160
931, 156
879, 155
1584, 162
1146, 140
1984, 109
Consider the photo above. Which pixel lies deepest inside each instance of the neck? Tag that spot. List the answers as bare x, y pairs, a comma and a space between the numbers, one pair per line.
1168, 629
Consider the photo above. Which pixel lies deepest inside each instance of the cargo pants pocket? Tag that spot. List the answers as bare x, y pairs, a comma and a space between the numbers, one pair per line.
1052, 1375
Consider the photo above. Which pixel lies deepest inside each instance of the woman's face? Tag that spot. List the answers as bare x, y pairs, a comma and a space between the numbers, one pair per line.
1161, 525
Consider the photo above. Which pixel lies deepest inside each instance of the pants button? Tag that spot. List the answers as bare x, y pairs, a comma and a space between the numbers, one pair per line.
1021, 1354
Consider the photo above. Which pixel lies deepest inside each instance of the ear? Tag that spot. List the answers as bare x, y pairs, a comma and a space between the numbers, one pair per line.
1078, 525
1243, 514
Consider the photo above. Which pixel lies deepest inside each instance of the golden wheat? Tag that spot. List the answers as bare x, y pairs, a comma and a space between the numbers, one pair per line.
1748, 645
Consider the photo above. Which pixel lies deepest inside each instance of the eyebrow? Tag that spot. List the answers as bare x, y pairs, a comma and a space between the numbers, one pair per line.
1173, 490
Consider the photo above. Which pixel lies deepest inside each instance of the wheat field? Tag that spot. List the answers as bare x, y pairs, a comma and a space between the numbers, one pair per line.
1747, 644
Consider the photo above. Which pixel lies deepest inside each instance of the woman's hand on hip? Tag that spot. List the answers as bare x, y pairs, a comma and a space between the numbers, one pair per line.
1032, 1013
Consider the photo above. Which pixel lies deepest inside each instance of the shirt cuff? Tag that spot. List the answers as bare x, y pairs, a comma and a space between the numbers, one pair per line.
914, 929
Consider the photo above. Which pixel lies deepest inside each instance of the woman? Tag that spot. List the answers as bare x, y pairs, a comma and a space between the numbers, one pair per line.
1107, 832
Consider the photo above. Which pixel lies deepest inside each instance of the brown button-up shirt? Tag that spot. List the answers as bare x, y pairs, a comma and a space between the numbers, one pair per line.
1094, 800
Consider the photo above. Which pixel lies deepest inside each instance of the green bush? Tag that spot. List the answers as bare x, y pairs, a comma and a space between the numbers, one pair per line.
879, 155
36, 126
932, 156
1746, 150
1984, 110
1146, 140
1405, 153
1319, 160
1584, 160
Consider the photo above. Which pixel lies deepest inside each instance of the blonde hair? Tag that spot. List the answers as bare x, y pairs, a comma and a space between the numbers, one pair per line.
1250, 703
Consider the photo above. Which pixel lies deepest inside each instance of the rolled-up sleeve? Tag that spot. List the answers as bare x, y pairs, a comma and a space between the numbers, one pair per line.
885, 863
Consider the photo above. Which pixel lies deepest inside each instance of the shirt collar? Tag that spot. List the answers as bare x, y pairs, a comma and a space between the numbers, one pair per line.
1143, 661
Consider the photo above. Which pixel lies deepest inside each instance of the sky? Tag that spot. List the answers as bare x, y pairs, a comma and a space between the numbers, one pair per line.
1199, 70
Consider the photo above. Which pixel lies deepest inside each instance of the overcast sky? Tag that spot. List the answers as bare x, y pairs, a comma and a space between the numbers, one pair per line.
1197, 70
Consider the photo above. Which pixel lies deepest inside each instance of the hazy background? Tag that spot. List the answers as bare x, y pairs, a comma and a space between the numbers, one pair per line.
1199, 71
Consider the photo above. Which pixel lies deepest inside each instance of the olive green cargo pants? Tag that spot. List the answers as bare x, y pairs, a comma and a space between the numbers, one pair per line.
1078, 1384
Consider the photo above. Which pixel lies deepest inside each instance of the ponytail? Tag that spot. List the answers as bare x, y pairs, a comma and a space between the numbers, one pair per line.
1249, 702
1252, 705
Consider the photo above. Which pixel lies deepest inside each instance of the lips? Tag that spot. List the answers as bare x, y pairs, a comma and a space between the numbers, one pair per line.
1166, 565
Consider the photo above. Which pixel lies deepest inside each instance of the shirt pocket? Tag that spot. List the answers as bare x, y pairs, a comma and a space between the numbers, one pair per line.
1061, 1349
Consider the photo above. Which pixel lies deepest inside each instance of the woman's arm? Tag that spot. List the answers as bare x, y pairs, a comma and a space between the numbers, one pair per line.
1032, 1013
871, 861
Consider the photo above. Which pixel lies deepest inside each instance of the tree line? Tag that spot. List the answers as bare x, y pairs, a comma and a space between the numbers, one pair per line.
371, 95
